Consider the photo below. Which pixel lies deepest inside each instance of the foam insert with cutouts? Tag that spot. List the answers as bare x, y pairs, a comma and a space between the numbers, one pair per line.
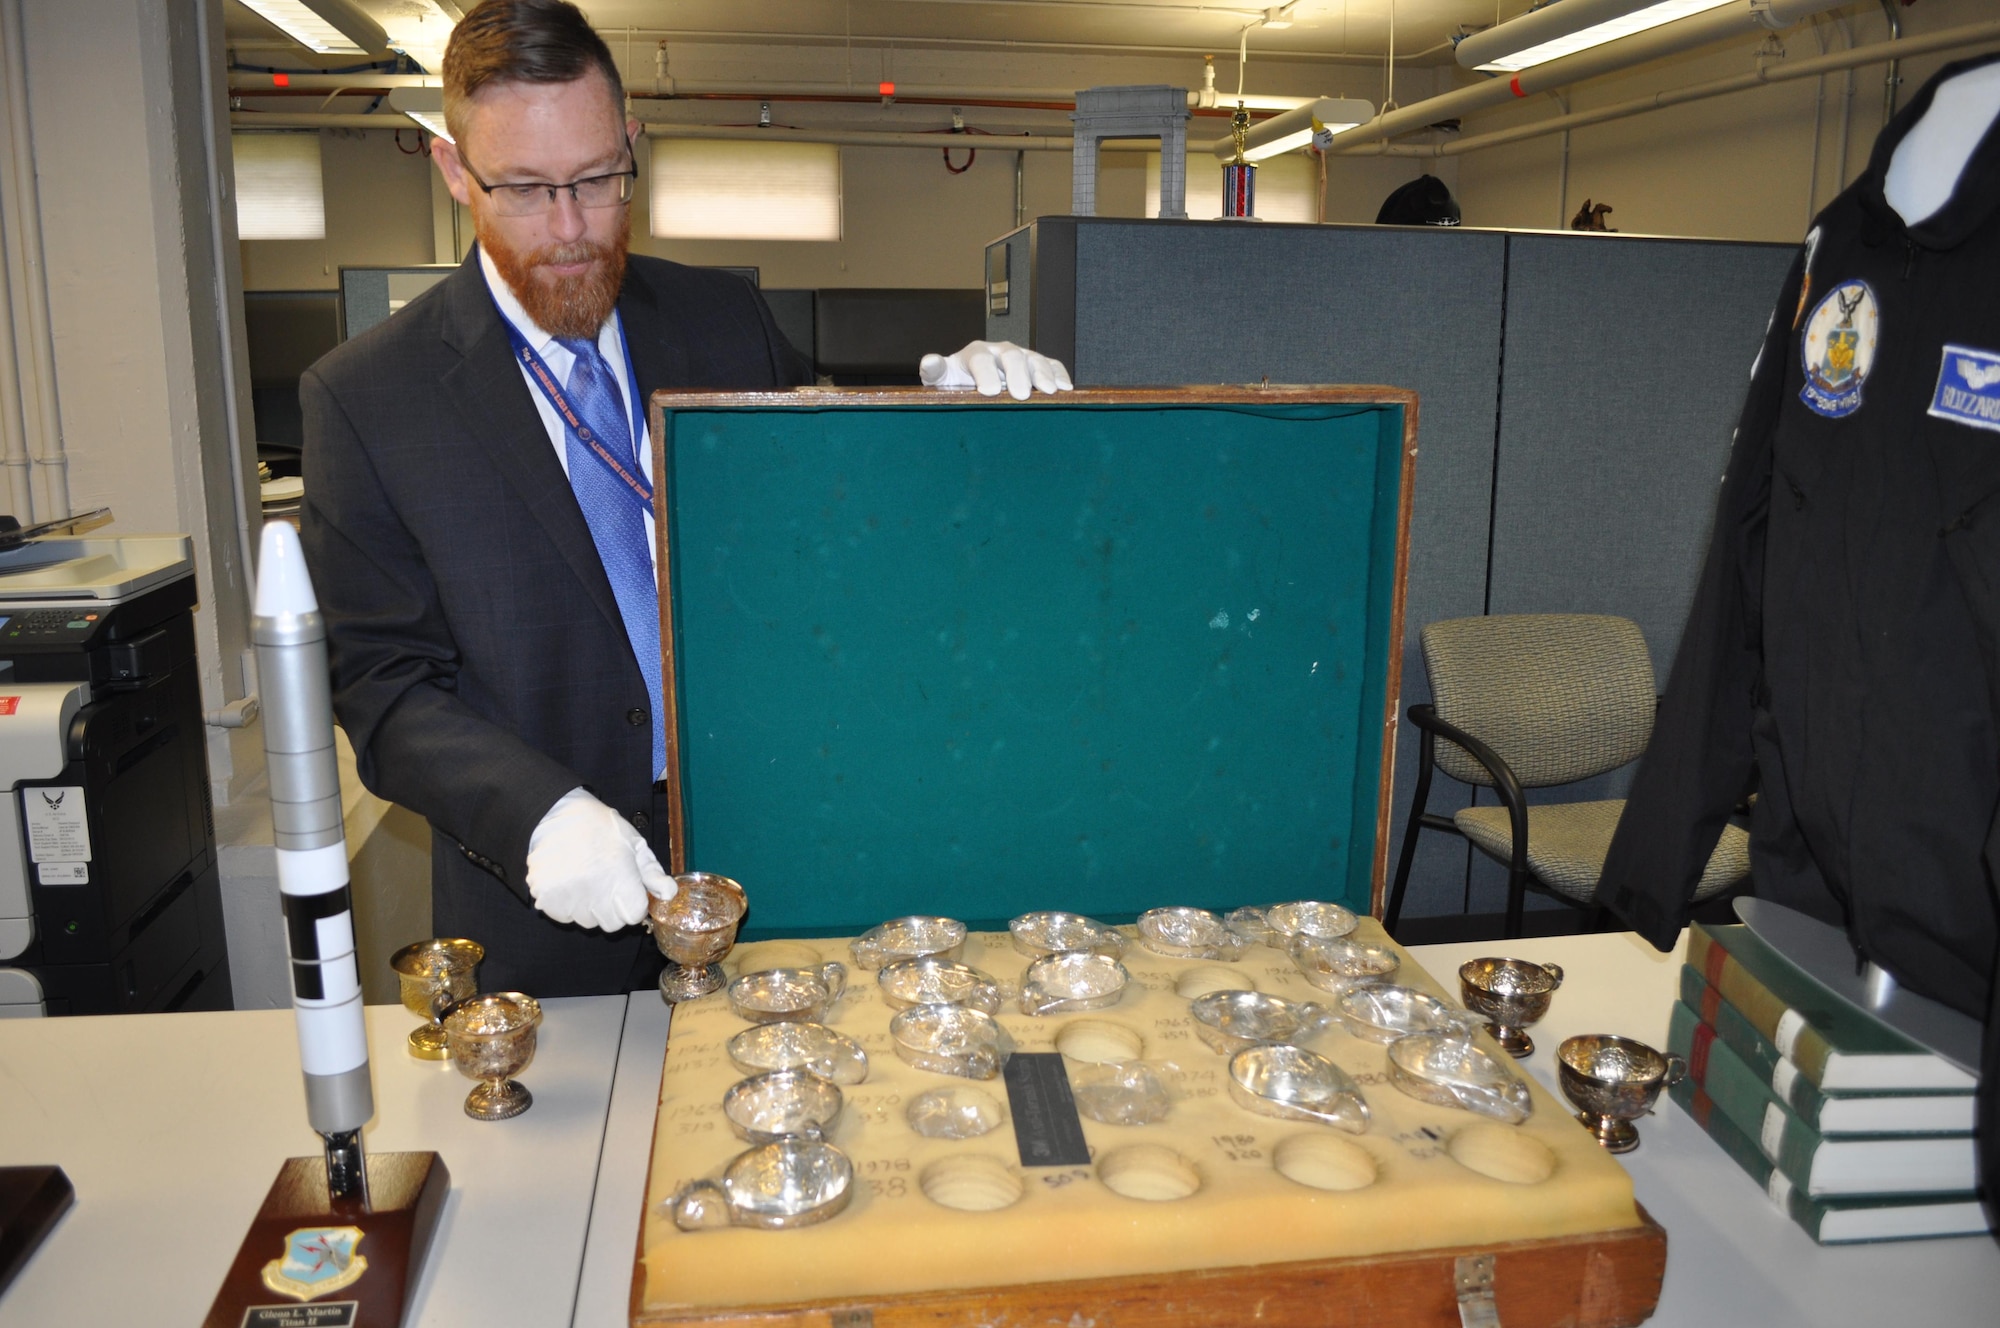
1212, 1185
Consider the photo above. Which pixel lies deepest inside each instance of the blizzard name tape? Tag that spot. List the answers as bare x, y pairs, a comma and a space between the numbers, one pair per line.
1968, 388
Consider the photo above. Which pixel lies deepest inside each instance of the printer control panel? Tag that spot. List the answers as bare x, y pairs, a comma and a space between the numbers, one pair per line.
48, 627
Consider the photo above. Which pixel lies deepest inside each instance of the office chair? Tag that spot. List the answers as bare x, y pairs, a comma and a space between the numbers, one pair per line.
1528, 701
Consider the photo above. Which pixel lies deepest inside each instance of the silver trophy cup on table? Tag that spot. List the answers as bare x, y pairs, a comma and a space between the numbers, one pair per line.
694, 930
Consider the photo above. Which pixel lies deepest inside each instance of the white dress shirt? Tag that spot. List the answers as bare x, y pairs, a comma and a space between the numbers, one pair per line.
610, 344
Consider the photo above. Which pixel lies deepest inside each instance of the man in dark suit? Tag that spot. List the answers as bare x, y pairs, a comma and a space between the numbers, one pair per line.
484, 572
478, 518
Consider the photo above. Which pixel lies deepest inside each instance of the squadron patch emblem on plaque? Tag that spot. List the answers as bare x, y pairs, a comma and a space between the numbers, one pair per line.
1968, 388
318, 1261
1837, 350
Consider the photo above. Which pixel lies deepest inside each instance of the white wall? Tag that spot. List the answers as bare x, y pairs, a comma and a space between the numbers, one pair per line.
378, 214
148, 372
1750, 165
908, 222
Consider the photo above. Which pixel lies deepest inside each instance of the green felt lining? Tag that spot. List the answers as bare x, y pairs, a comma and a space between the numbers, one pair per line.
977, 660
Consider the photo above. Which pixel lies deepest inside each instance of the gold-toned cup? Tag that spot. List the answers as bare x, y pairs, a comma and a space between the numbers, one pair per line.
1509, 994
1612, 1081
492, 1039
694, 930
433, 976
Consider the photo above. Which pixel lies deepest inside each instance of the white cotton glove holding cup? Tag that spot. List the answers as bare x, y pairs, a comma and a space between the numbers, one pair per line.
589, 865
993, 365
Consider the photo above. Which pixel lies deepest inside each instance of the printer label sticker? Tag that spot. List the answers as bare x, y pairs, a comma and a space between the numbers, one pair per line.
58, 830
63, 873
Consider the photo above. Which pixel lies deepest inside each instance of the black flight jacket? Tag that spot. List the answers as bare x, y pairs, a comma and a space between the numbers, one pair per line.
1842, 655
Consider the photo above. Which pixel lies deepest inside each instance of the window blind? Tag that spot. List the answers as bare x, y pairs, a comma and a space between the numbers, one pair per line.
278, 190
706, 189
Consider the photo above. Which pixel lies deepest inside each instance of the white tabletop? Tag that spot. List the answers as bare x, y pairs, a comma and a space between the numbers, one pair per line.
1732, 1258
173, 1126
604, 1290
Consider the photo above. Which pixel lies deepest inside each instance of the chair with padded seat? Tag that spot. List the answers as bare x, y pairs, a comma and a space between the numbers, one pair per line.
1529, 701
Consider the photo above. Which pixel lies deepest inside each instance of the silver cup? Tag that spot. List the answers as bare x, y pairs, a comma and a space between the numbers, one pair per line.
791, 1182
1509, 994
788, 995
1291, 1083
933, 981
492, 1039
918, 936
694, 930
767, 1107
1612, 1081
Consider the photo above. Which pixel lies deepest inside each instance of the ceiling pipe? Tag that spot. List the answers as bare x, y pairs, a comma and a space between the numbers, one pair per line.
1735, 21
1055, 98
317, 120
863, 138
874, 42
882, 138
255, 85
244, 83
1785, 71
683, 88
1966, 36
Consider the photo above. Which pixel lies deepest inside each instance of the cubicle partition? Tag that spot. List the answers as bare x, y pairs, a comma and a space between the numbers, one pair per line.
1576, 394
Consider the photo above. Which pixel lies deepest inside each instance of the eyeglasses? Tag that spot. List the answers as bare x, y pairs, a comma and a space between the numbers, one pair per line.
527, 200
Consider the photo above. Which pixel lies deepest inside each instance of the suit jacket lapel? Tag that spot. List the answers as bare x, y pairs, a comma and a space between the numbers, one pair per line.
659, 353
492, 397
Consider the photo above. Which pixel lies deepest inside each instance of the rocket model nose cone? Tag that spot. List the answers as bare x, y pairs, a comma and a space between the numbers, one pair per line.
283, 584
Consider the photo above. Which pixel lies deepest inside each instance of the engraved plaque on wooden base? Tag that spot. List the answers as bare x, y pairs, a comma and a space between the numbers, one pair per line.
311, 1261
32, 1201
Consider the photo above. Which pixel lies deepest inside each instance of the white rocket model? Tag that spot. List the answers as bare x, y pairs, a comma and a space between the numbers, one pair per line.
290, 637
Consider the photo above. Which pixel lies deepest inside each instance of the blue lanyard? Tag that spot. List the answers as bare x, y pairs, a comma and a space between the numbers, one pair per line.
634, 481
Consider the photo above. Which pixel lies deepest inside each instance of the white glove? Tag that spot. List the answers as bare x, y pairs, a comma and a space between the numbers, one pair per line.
992, 365
588, 865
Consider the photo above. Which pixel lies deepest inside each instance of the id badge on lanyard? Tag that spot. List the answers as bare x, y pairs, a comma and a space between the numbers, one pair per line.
631, 480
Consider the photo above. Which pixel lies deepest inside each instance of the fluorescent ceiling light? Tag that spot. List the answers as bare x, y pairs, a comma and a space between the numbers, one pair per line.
423, 105
1293, 141
1296, 127
1569, 26
434, 122
422, 30
330, 27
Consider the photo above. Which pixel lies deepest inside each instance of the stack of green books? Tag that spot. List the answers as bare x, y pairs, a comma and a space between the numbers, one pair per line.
1853, 1130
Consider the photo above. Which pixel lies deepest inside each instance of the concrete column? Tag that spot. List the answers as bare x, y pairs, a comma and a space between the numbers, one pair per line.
144, 286
1173, 172
1083, 174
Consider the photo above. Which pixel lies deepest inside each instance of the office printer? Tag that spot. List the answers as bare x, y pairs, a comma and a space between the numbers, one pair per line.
110, 899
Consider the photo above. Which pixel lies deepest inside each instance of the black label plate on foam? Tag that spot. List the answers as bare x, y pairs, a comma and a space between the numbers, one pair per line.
1046, 1126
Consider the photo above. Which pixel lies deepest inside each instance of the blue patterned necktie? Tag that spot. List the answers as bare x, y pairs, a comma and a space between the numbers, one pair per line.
617, 526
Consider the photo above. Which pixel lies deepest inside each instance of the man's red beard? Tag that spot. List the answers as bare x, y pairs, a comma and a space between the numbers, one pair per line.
562, 306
